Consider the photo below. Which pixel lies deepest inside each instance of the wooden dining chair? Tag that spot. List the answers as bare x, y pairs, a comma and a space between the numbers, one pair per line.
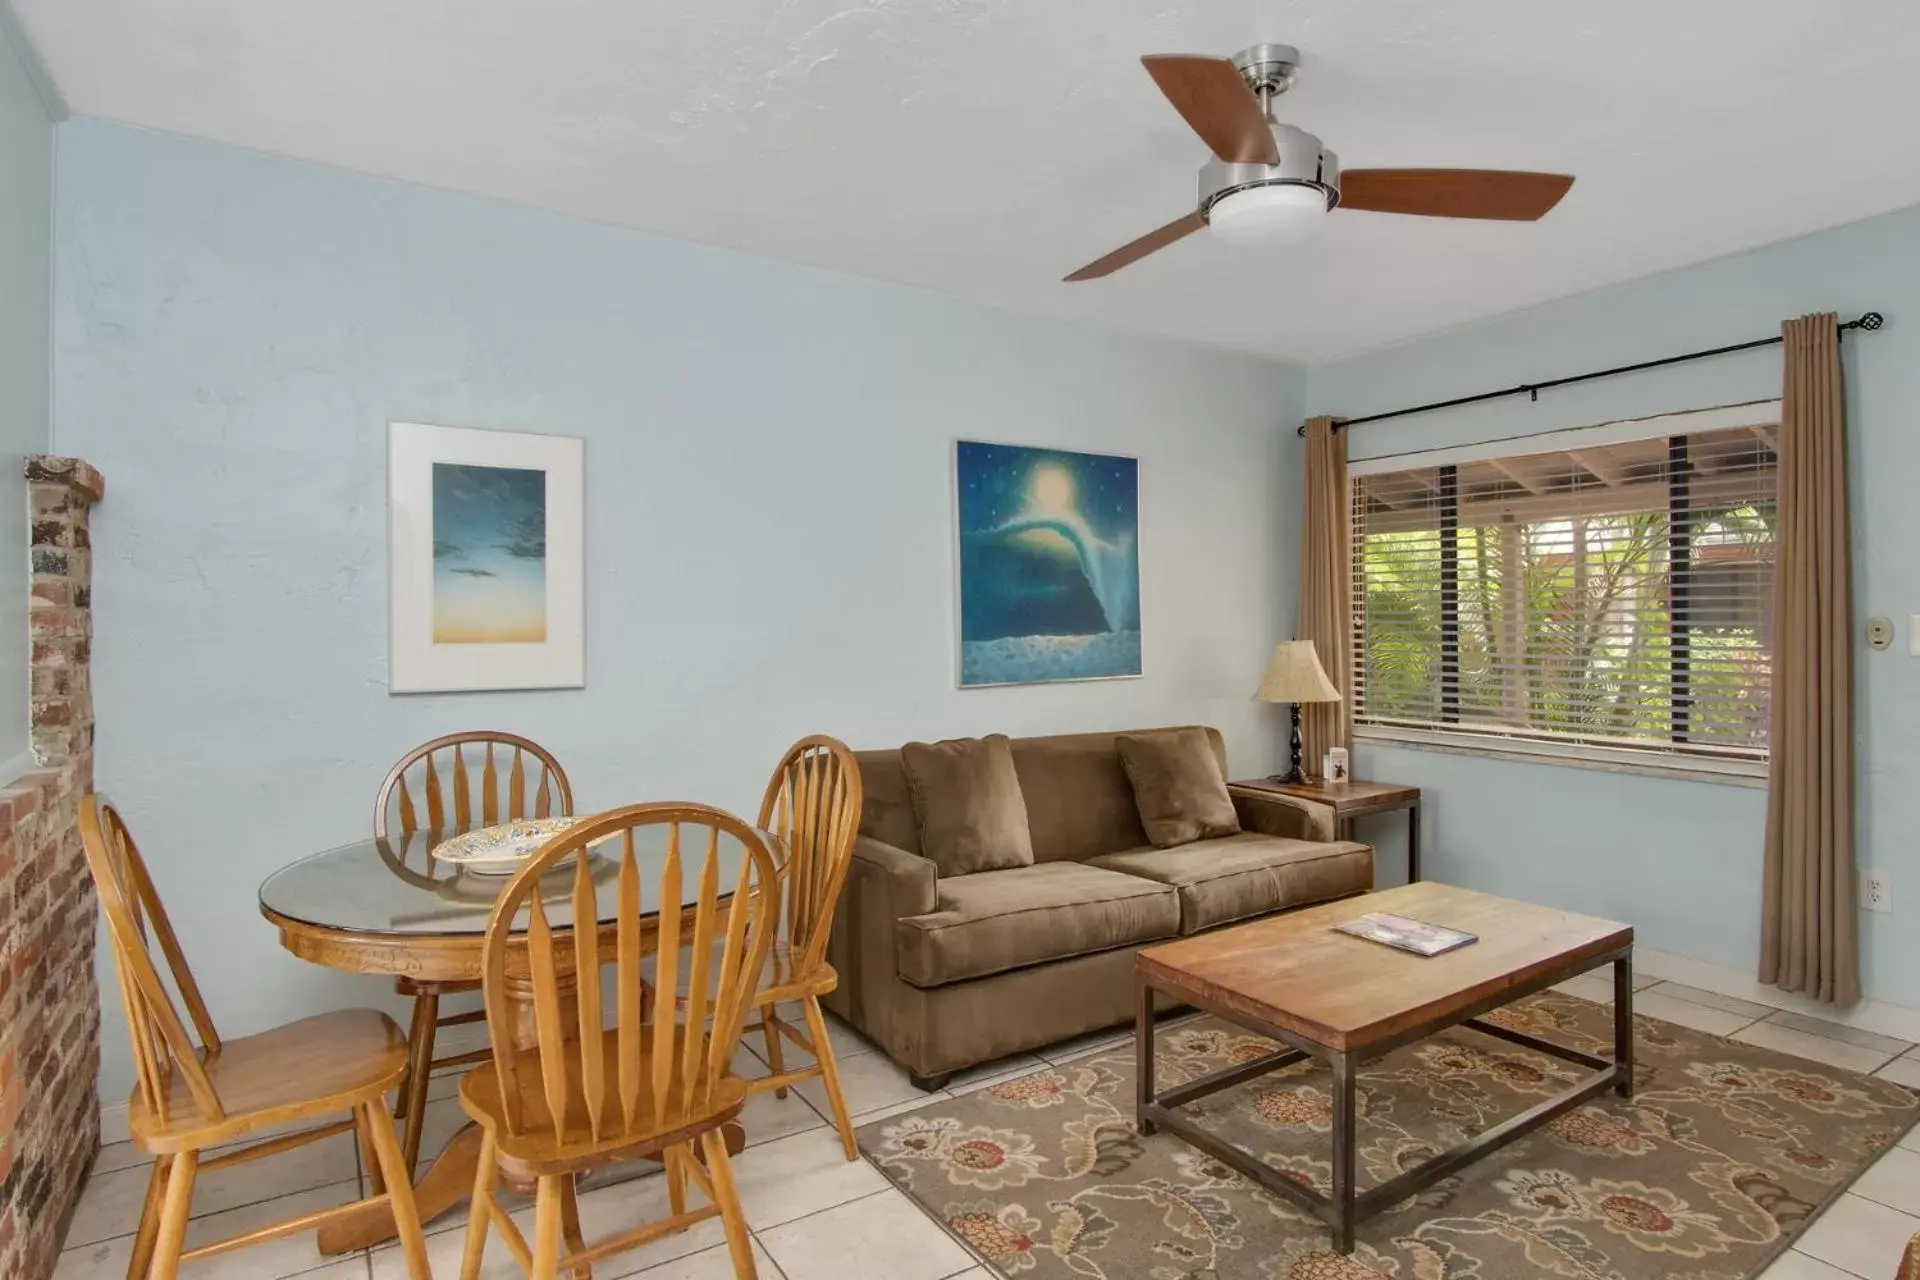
813, 805
193, 1096
533, 786
648, 1083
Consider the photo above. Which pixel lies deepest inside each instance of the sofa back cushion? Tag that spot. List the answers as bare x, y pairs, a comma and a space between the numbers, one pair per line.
886, 812
1178, 786
967, 804
1079, 802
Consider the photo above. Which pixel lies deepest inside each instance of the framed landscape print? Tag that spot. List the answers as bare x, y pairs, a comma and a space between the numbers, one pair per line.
485, 563
1049, 564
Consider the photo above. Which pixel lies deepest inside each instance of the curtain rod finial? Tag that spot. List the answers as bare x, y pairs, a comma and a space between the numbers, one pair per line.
1335, 425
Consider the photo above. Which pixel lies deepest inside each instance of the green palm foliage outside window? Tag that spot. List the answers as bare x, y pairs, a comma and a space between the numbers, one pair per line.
1618, 595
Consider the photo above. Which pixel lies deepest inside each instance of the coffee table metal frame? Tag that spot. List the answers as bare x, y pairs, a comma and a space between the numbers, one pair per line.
1348, 1206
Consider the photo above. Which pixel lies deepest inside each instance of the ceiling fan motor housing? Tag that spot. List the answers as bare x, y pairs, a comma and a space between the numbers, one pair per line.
1303, 163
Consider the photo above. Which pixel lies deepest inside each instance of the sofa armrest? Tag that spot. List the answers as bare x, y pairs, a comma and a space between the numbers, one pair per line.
1272, 814
884, 884
910, 880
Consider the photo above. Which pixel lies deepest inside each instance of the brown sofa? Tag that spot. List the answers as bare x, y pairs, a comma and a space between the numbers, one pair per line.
949, 972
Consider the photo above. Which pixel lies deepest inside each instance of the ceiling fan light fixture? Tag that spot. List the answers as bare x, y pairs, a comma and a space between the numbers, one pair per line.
1269, 214
1269, 183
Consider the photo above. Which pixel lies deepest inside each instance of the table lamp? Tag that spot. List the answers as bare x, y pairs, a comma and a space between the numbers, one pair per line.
1294, 676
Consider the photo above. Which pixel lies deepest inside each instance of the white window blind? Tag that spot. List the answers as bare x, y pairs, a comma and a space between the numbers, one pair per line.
1618, 594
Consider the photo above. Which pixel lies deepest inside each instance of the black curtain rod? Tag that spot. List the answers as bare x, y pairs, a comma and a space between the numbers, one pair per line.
1869, 322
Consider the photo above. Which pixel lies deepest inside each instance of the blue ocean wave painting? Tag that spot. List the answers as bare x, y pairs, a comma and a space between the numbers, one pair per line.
1049, 564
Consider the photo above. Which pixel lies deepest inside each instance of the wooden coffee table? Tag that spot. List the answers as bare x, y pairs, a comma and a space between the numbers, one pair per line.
1342, 1000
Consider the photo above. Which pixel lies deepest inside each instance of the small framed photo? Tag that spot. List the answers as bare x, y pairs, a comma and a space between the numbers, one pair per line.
485, 560
1336, 767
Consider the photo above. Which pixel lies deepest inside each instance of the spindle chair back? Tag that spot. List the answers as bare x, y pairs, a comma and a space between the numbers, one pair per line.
433, 790
477, 778
812, 805
195, 1090
165, 1052
693, 895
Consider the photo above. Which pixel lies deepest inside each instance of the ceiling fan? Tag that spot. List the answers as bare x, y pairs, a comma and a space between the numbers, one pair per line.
1270, 183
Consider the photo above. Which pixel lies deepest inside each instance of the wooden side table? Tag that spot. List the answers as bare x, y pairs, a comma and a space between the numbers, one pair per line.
1351, 800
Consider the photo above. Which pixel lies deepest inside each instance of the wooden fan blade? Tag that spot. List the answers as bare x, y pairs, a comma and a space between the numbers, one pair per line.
1210, 95
1500, 194
1134, 250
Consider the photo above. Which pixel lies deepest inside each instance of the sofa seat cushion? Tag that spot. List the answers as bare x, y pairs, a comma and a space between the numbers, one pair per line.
993, 921
1247, 875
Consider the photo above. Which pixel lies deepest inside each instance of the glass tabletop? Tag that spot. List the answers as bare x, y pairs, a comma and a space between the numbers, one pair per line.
396, 886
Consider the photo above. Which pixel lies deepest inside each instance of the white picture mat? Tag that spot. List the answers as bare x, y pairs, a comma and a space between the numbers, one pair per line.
415, 663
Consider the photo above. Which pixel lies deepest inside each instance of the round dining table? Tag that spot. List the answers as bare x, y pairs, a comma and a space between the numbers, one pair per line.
387, 907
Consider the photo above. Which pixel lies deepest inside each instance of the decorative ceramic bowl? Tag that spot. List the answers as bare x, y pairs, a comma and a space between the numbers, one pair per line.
500, 850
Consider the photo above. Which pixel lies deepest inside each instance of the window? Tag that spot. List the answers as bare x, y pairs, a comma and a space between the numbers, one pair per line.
1607, 588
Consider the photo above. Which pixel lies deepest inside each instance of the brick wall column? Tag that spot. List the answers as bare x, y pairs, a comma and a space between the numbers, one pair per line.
49, 999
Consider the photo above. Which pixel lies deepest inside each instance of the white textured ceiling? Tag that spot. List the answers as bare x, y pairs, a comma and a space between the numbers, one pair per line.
985, 147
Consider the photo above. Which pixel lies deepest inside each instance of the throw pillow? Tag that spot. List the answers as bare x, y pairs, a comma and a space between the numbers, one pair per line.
1177, 786
966, 798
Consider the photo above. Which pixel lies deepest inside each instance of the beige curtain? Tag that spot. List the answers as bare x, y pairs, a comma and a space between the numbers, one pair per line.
1325, 613
1807, 930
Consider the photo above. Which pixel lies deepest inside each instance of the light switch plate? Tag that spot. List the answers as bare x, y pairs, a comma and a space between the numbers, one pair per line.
1913, 635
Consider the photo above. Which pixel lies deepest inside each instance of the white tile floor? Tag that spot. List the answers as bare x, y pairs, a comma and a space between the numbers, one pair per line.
816, 1216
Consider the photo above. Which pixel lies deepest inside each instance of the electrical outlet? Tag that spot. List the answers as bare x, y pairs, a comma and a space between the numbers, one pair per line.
1876, 891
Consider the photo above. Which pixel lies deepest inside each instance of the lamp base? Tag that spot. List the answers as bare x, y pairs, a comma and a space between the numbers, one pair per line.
1293, 774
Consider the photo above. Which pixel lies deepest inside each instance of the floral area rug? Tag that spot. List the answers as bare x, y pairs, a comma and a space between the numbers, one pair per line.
1724, 1153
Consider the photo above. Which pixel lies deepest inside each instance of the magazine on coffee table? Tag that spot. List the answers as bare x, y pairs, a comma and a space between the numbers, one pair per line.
1417, 936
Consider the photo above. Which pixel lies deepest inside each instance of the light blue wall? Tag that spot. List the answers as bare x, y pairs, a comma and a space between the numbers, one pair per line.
1681, 860
768, 506
26, 248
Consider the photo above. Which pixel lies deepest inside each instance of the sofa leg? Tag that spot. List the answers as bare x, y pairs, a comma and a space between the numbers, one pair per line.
930, 1084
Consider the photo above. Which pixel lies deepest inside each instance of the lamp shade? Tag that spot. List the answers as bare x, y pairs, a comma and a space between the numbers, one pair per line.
1294, 674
